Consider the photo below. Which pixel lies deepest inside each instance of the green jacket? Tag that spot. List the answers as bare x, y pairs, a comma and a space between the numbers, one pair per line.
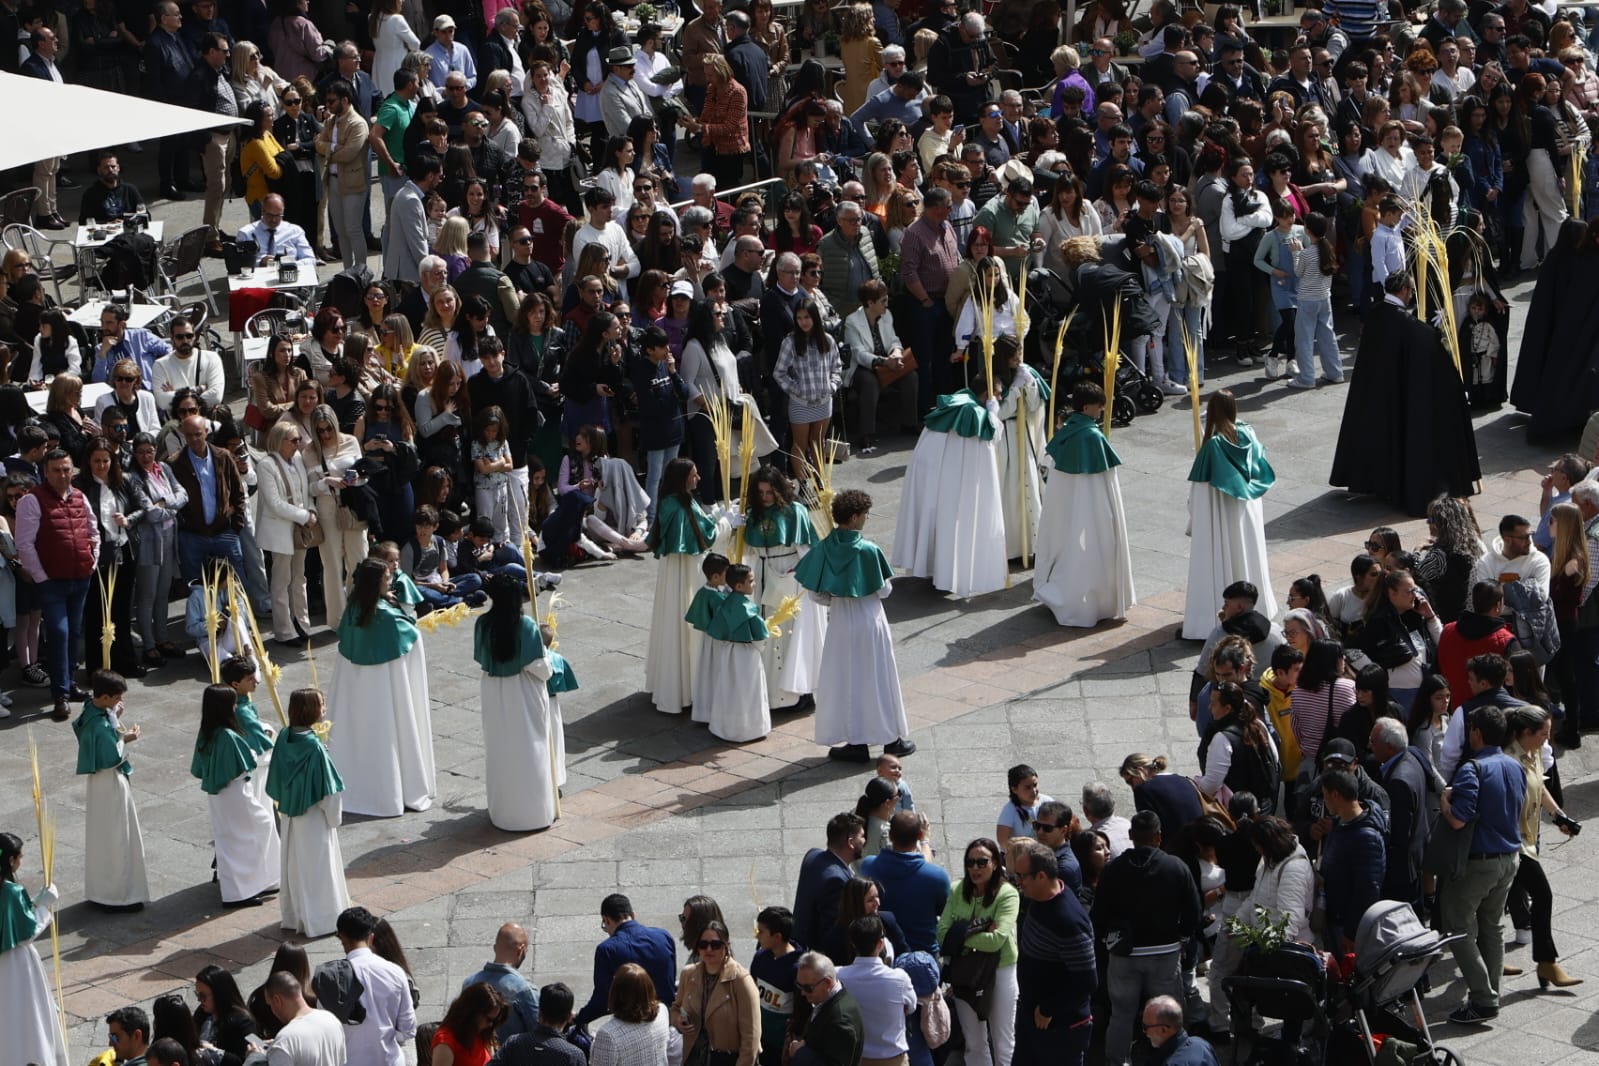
1004, 910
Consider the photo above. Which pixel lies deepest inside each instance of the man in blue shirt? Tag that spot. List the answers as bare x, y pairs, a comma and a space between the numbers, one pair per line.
1487, 789
902, 100
119, 341
629, 941
521, 998
913, 888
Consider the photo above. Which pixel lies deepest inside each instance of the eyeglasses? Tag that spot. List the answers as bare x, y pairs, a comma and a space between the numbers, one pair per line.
380, 406
978, 862
291, 101
336, 329
1374, 545
805, 989
121, 380
711, 945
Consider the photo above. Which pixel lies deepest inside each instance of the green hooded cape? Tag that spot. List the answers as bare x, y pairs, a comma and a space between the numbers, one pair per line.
302, 773
1239, 470
529, 646
562, 679
250, 727
98, 734
845, 563
780, 527
1081, 447
385, 638
18, 923
962, 414
737, 620
703, 606
220, 759
676, 527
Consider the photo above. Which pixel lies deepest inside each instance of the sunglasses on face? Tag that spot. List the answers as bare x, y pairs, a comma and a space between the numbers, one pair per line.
711, 945
126, 381
978, 862
183, 336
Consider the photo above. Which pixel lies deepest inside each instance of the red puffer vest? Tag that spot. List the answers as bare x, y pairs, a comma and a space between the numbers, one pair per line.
65, 526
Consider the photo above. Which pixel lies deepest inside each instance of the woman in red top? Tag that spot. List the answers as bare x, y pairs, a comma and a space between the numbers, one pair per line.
466, 1035
724, 123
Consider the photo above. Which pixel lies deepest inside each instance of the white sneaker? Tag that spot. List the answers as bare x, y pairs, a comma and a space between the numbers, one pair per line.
1274, 367
1171, 388
594, 549
1523, 936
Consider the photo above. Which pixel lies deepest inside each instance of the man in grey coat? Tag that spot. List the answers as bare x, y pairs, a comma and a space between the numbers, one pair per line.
405, 233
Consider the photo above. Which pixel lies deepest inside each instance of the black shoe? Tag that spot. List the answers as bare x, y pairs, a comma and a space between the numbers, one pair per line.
285, 642
1469, 1013
112, 908
76, 693
172, 192
253, 901
900, 747
850, 753
132, 670
374, 245
61, 713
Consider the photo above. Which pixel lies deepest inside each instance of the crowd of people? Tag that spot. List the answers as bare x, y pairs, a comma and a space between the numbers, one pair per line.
556, 365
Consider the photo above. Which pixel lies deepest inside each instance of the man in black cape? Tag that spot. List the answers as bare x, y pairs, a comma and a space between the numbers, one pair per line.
1557, 372
1406, 434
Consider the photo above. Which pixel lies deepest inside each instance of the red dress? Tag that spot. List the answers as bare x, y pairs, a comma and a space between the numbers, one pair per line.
475, 1054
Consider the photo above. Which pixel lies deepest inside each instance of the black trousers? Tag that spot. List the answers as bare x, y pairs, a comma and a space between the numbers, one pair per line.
1532, 904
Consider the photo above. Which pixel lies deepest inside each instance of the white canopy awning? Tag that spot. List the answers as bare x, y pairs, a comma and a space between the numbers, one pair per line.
41, 119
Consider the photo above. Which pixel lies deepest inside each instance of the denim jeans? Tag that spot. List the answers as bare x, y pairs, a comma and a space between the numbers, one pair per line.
1313, 333
1132, 981
391, 185
655, 461
195, 548
254, 575
1176, 357
61, 601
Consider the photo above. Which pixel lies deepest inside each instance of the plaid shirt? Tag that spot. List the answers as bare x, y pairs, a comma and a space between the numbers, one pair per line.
811, 378
929, 254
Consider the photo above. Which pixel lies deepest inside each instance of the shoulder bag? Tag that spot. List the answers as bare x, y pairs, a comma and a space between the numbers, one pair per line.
1449, 849
306, 536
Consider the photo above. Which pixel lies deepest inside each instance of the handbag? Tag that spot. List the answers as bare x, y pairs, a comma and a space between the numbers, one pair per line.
1211, 807
935, 1018
1449, 849
970, 977
309, 536
254, 418
887, 375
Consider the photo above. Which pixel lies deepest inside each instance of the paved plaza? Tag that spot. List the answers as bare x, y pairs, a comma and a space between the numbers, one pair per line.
659, 809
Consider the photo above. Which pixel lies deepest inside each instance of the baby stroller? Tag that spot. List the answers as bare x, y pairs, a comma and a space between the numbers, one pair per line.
1393, 949
1289, 985
1051, 298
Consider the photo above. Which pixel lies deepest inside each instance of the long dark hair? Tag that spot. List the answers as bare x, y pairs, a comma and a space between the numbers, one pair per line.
782, 488
226, 1000
476, 1001
113, 477
996, 855
1327, 257
702, 325
1524, 679
367, 588
589, 346
674, 483
1322, 664
466, 334
817, 335
10, 848
1421, 703
506, 595
1015, 776
171, 1019
216, 714
386, 945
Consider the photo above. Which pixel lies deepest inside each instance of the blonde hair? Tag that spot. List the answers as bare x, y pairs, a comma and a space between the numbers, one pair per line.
901, 212
854, 22
452, 236
718, 67
1065, 59
1571, 543
64, 391
239, 69
420, 355
1080, 250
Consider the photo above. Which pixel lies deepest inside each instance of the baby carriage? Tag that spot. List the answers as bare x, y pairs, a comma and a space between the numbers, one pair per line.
1290, 985
1051, 298
1393, 949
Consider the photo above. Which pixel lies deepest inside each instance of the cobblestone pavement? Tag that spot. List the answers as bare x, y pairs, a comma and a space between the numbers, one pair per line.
657, 808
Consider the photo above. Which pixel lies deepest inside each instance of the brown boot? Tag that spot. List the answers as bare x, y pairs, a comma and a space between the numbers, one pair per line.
1513, 971
1550, 973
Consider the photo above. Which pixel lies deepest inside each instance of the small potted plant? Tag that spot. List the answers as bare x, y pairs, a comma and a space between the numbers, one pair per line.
1124, 42
645, 13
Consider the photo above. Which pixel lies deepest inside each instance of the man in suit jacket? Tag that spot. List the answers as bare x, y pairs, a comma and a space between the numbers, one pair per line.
836, 1033
1407, 778
342, 145
628, 940
42, 64
621, 100
405, 232
822, 877
210, 523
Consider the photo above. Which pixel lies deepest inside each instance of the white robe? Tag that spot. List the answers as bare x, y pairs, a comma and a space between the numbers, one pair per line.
31, 1023
793, 661
113, 874
1015, 468
246, 837
558, 737
520, 765
1227, 543
738, 710
674, 647
382, 734
1084, 571
314, 892
858, 700
951, 525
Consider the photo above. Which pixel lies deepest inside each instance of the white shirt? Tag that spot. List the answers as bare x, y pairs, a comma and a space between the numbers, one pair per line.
390, 1019
315, 1039
885, 996
518, 72
613, 239
202, 370
1533, 568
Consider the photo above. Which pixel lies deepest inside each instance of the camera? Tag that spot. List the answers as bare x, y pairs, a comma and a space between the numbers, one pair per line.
1568, 823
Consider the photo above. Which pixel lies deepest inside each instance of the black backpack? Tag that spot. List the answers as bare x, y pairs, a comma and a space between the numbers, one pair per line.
347, 290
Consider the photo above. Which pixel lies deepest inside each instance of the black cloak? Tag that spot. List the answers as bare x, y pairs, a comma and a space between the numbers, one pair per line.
1406, 434
1557, 371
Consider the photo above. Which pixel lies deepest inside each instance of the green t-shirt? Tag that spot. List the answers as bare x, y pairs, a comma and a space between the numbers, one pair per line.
394, 115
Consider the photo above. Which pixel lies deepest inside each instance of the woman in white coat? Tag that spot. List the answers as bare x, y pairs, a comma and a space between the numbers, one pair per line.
392, 38
520, 774
283, 506
137, 403
330, 468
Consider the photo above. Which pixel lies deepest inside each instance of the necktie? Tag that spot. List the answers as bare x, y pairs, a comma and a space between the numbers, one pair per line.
272, 236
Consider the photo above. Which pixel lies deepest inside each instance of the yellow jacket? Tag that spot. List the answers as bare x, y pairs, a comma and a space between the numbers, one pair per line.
258, 162
1278, 705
